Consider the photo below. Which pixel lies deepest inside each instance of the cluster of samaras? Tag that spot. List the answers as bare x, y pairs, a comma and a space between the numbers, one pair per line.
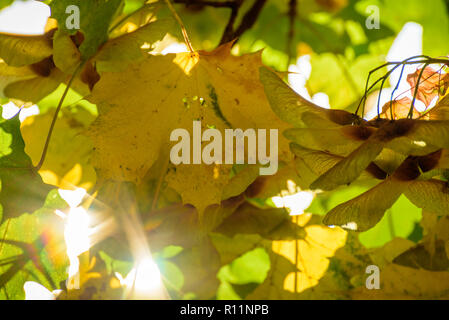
407, 153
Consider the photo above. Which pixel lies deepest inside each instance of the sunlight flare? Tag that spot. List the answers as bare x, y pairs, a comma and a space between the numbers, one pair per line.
76, 232
294, 199
144, 281
36, 291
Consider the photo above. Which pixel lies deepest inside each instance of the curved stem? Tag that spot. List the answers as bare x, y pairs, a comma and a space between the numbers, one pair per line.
183, 29
413, 87
410, 113
379, 96
55, 117
383, 79
394, 90
397, 64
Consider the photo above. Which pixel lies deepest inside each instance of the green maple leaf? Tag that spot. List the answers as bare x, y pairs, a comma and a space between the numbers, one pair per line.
22, 189
95, 17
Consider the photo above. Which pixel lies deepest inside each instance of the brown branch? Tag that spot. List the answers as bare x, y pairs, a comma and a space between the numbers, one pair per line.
250, 18
228, 33
215, 4
291, 29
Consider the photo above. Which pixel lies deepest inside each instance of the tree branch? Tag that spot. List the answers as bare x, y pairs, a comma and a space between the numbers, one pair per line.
228, 33
291, 29
250, 18
215, 4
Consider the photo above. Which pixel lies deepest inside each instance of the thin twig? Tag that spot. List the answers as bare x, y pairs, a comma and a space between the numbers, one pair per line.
412, 106
55, 117
397, 64
378, 98
394, 90
183, 29
413, 87
428, 60
367, 90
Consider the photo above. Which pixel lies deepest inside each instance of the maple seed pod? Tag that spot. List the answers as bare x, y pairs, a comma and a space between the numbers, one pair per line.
89, 75
429, 162
413, 166
44, 67
395, 129
359, 133
343, 117
376, 172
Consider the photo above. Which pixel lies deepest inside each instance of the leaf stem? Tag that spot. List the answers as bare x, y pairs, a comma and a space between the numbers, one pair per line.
183, 29
409, 61
379, 96
397, 65
367, 90
410, 113
394, 90
55, 117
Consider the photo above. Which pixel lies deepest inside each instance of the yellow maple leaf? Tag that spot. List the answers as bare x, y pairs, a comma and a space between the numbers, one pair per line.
298, 265
67, 164
366, 210
20, 50
410, 137
140, 107
10, 75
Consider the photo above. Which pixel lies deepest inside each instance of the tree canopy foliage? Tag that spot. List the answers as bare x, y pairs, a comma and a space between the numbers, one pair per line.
91, 207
